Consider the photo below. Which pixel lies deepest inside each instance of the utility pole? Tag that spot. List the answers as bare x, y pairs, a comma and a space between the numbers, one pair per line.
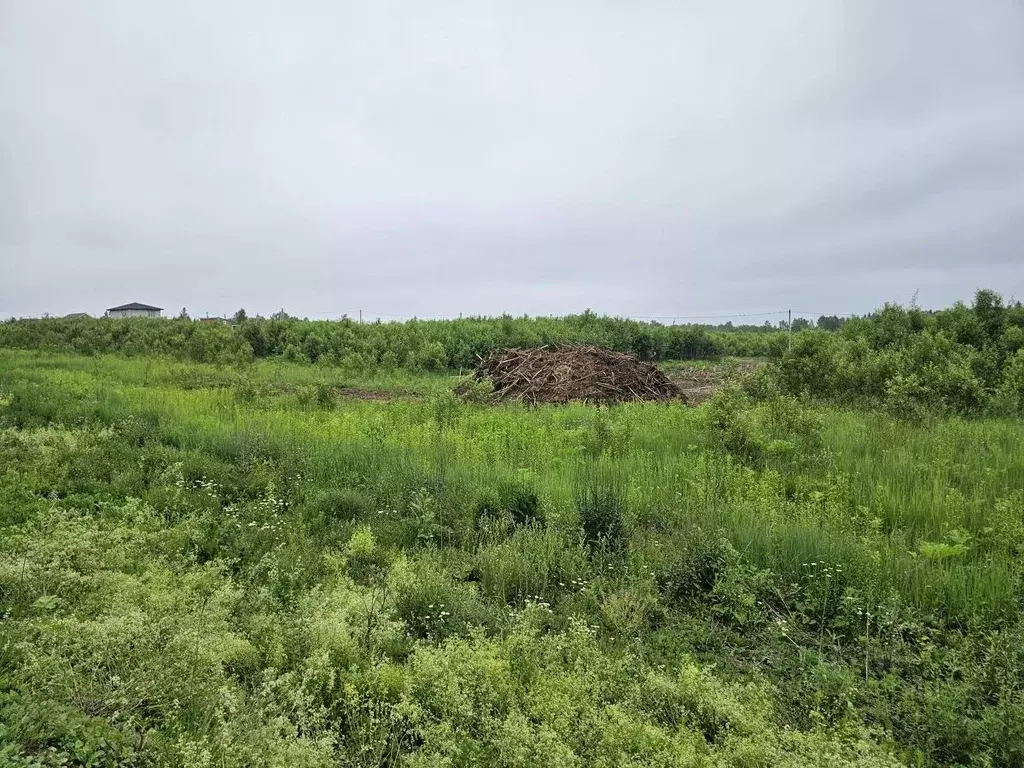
360, 317
790, 311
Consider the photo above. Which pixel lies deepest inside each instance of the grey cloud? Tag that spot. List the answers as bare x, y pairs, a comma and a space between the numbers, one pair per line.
671, 159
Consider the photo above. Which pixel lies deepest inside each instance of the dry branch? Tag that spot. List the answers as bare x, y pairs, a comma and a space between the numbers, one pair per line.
561, 375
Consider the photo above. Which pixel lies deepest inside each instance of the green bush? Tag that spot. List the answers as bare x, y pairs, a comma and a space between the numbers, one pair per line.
476, 391
531, 563
696, 560
601, 504
776, 431
335, 505
325, 397
420, 345
367, 563
959, 360
555, 700
515, 503
430, 604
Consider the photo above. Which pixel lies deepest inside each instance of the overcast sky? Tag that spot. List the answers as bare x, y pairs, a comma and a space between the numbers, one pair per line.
679, 159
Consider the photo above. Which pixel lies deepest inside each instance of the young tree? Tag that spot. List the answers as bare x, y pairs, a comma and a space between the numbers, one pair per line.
988, 306
240, 317
830, 322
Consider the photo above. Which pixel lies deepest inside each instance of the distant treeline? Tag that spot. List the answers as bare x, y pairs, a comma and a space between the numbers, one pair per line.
414, 344
964, 359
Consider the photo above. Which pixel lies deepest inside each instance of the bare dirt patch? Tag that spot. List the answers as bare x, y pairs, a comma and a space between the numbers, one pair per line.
376, 395
700, 383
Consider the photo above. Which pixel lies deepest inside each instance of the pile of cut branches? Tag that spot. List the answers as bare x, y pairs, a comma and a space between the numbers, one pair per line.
565, 374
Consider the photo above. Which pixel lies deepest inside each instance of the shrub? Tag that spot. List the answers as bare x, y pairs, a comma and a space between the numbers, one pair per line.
906, 397
477, 391
331, 510
515, 502
779, 428
531, 563
629, 610
337, 505
431, 520
445, 405
321, 396
730, 425
1009, 398
325, 396
954, 360
420, 345
601, 504
430, 603
367, 563
697, 559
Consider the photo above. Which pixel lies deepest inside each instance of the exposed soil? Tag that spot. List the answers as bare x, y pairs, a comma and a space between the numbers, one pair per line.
357, 393
700, 384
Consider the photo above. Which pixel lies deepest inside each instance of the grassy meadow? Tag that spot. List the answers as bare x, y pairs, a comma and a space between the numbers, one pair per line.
281, 564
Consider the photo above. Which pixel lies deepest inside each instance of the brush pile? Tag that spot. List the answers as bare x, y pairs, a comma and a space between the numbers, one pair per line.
562, 375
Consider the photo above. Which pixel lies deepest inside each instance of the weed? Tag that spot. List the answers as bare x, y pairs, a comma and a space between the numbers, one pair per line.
601, 505
192, 578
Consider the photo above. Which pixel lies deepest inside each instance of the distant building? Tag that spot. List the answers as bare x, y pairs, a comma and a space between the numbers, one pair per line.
221, 320
134, 310
77, 316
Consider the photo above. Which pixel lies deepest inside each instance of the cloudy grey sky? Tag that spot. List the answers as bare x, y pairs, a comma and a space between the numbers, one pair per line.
674, 158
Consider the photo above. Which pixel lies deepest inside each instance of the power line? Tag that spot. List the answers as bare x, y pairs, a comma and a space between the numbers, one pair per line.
829, 314
456, 315
707, 316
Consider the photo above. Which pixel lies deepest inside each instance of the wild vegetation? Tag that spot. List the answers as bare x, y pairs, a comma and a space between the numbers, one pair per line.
965, 360
421, 345
238, 564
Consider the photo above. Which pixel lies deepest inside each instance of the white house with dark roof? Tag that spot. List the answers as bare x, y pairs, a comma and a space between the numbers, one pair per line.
134, 310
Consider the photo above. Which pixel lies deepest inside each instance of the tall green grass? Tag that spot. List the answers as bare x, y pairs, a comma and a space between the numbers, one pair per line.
877, 491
